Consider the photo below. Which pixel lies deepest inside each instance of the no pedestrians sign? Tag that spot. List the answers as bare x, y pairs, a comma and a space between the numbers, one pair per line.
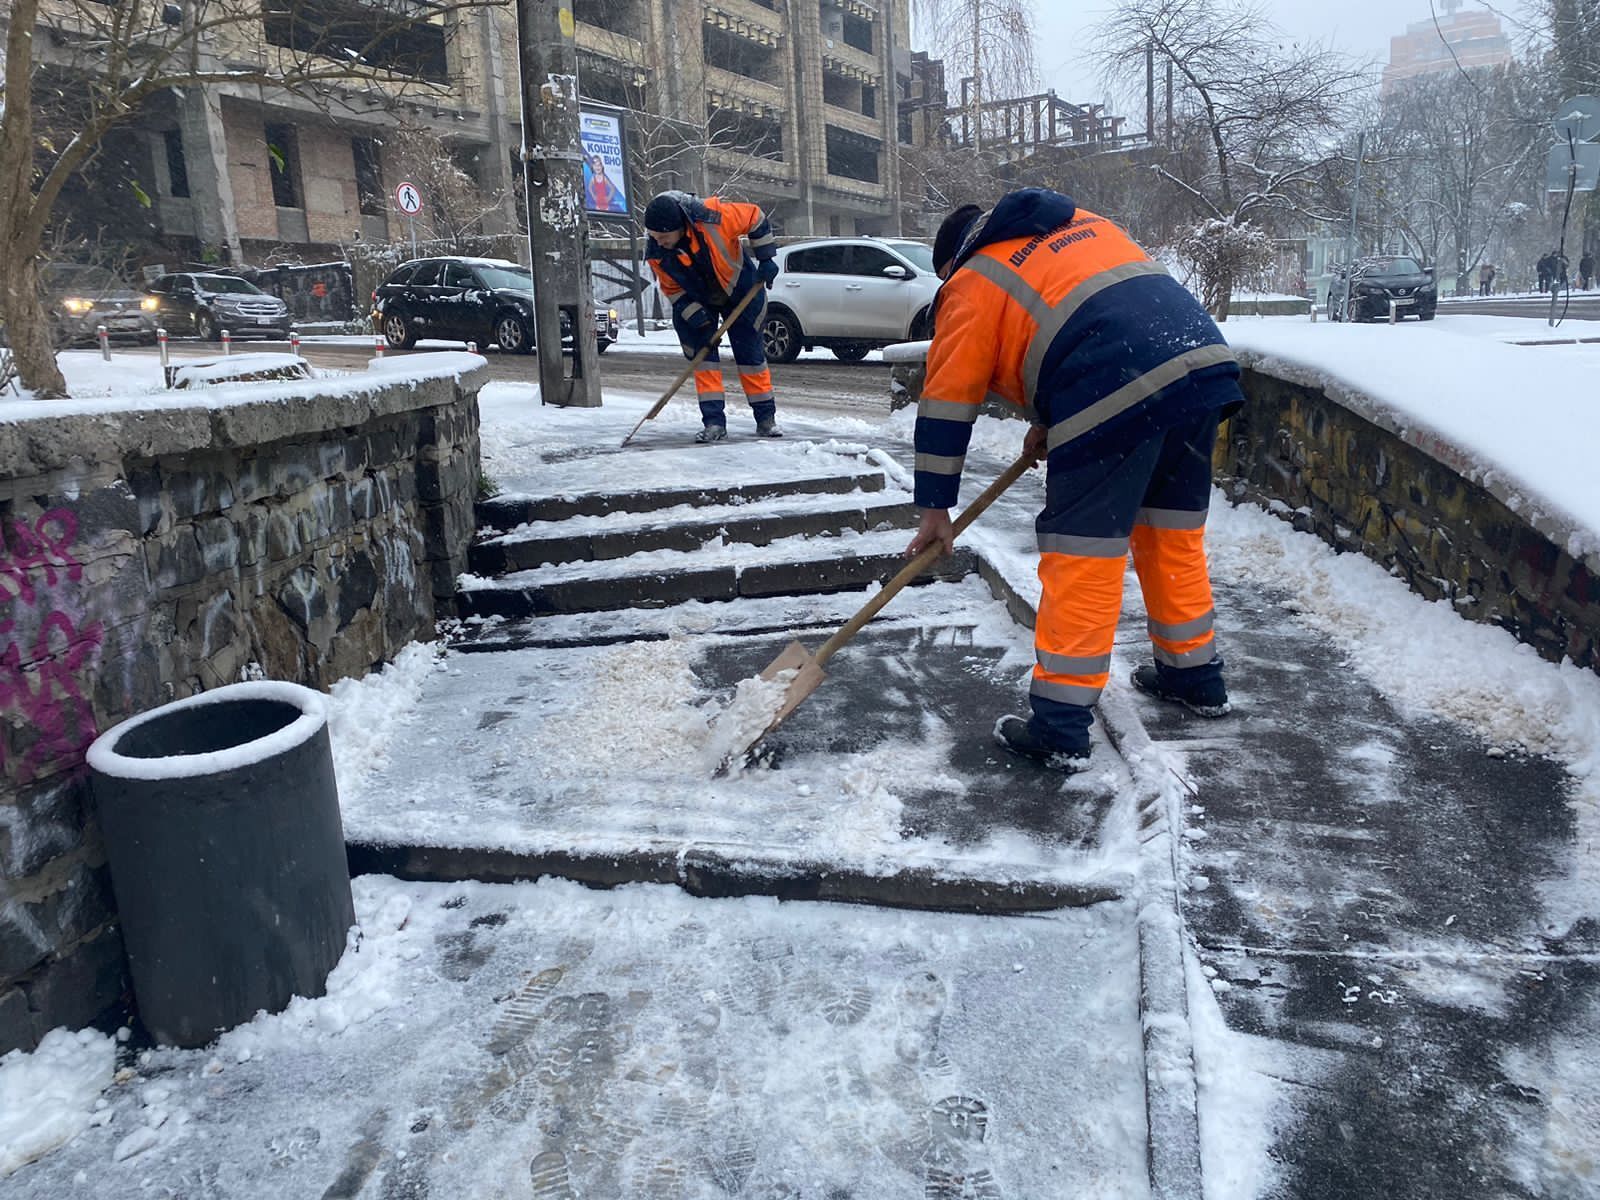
408, 199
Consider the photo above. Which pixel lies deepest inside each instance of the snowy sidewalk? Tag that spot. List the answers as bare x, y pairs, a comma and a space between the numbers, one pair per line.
1367, 900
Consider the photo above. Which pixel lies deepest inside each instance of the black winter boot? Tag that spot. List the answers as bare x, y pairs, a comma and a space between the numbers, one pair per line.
768, 428
1208, 700
1017, 736
711, 433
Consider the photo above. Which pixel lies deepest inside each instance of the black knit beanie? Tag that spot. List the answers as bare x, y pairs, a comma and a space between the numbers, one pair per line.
954, 229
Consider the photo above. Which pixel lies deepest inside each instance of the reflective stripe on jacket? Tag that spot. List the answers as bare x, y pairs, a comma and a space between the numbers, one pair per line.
703, 267
1079, 329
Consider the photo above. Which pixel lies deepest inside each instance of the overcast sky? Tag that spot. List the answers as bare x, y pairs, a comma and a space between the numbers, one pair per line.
1361, 27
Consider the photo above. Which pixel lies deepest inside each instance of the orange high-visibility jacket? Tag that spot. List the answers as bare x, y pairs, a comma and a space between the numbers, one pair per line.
704, 266
1059, 312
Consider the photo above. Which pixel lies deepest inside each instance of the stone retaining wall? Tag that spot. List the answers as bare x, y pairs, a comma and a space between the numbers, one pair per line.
304, 532
1402, 497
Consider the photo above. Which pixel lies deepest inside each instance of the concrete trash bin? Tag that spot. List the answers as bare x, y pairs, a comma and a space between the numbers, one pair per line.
221, 821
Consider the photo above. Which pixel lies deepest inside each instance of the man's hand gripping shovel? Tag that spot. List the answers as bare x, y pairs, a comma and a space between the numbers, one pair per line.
807, 667
695, 362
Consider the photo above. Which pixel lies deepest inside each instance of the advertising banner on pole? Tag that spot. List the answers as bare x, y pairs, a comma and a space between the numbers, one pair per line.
605, 179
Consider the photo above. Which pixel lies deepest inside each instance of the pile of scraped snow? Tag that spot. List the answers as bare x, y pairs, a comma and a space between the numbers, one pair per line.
365, 715
48, 1097
241, 368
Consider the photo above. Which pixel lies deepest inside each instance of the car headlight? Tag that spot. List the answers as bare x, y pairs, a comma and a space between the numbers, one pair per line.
149, 304
77, 307
611, 313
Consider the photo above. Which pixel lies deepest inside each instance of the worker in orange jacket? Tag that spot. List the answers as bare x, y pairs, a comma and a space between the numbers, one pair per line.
1124, 377
696, 253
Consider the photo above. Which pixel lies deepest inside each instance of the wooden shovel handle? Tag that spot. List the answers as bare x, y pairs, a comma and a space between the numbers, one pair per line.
921, 562
695, 362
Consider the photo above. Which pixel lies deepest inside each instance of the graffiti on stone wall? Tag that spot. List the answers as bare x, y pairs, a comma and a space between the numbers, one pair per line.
45, 652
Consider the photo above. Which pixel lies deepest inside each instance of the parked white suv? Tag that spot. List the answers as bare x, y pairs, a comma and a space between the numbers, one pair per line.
851, 295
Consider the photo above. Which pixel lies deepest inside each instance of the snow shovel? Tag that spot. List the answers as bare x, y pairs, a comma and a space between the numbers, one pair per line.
808, 666
695, 362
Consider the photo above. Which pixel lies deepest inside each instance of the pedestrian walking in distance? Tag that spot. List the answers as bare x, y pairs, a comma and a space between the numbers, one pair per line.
1486, 279
697, 250
1123, 377
1585, 270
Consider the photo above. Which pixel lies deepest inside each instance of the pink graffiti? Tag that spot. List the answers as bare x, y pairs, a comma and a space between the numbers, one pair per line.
47, 547
44, 689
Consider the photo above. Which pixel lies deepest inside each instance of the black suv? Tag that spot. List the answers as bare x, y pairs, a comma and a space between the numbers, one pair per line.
481, 300
1363, 290
206, 304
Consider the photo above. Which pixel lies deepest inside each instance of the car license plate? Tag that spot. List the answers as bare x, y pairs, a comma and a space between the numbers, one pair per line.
1404, 300
263, 320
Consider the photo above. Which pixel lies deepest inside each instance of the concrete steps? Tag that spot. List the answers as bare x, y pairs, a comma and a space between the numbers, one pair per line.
591, 552
509, 511
685, 528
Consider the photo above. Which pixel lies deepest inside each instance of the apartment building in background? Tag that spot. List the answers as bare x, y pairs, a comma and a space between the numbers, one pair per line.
791, 103
1464, 39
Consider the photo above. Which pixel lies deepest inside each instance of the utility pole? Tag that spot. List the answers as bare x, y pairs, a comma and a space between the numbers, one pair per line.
552, 160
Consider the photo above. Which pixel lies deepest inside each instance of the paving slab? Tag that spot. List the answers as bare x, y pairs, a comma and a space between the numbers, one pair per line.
1387, 897
885, 783
554, 1042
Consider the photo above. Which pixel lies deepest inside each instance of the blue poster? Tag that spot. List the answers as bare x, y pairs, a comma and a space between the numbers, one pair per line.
605, 189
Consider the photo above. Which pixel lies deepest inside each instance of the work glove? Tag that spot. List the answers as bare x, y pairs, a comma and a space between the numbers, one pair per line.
767, 268
701, 323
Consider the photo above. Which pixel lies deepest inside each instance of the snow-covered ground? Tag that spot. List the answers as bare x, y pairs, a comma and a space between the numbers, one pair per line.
321, 1072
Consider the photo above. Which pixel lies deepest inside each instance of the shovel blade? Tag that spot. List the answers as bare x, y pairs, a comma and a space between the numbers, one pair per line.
807, 679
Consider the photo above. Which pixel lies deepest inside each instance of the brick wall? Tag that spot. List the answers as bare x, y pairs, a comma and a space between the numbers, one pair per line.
145, 556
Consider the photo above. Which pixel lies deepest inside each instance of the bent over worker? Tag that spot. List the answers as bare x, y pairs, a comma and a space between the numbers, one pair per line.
699, 260
1124, 377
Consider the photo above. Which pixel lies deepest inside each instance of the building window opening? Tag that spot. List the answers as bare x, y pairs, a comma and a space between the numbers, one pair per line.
852, 156
619, 16
858, 33
283, 165
743, 133
177, 165
369, 176
741, 55
354, 32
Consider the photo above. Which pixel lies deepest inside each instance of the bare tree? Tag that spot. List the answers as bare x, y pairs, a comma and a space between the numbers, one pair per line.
100, 64
988, 46
1458, 156
1254, 114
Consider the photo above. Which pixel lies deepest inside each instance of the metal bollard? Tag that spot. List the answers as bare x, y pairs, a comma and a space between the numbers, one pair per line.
1394, 312
1313, 314
294, 343
104, 336
227, 342
161, 345
377, 347
472, 347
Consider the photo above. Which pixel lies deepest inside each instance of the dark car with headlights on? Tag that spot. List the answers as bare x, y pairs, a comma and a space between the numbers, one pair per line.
1365, 289
206, 304
80, 298
479, 300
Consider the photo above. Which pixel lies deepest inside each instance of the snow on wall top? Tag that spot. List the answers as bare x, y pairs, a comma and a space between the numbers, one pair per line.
1519, 421
122, 409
